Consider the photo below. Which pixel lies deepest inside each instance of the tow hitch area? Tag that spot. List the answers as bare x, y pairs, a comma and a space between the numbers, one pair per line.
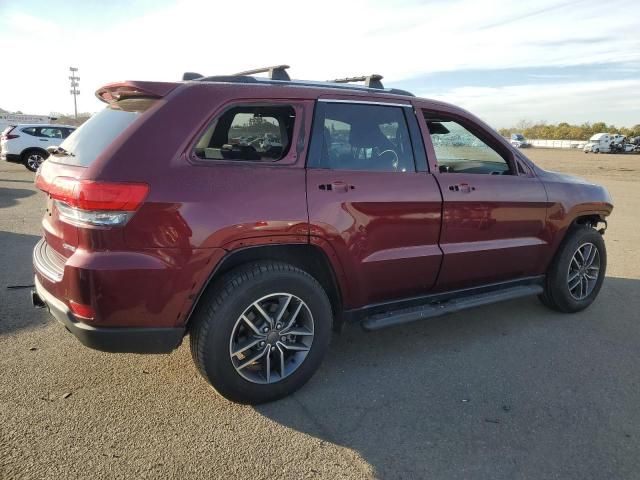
36, 300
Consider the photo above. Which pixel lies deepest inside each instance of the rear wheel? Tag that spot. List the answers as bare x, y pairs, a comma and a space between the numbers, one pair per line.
576, 274
32, 159
261, 332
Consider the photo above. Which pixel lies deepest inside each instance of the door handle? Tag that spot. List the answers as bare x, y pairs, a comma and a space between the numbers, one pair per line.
336, 187
461, 187
43, 139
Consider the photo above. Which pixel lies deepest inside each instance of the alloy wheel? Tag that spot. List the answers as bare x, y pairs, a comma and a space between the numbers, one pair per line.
271, 338
34, 161
584, 270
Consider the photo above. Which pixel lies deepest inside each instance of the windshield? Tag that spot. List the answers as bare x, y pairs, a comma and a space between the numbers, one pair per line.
84, 145
517, 136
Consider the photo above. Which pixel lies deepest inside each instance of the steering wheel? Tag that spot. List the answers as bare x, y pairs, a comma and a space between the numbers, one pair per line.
395, 162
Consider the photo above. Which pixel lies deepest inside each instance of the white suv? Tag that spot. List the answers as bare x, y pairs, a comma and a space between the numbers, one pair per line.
27, 143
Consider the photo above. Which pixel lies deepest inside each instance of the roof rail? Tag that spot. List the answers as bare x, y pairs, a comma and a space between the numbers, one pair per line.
370, 81
276, 72
278, 75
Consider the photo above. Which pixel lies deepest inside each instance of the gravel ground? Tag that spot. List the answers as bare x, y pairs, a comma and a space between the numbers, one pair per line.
500, 392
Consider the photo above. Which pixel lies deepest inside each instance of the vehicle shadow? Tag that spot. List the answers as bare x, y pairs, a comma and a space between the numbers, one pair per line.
511, 390
16, 181
9, 196
16, 311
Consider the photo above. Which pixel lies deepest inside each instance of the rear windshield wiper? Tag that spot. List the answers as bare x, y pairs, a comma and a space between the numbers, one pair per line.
59, 151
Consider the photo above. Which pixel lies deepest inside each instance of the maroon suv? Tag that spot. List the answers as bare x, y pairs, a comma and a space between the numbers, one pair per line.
256, 214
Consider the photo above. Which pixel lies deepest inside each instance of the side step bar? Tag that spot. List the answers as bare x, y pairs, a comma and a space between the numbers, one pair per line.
435, 309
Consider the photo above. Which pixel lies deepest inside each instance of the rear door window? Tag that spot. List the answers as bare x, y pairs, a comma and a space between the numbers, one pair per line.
50, 132
365, 137
260, 133
89, 140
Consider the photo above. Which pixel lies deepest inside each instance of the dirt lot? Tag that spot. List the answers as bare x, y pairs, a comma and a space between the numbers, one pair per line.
500, 392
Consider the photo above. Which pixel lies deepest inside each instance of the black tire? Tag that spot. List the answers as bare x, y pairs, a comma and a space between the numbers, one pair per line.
220, 308
557, 294
29, 161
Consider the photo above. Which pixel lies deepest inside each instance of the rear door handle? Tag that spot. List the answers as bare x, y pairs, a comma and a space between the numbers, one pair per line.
336, 187
461, 187
43, 139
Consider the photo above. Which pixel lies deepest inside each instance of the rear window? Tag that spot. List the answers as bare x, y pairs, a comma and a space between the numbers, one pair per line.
88, 141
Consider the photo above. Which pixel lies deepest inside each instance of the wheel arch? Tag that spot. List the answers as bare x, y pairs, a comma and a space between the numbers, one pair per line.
34, 149
307, 257
582, 219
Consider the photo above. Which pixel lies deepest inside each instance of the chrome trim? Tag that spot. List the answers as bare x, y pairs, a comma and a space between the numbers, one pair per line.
364, 102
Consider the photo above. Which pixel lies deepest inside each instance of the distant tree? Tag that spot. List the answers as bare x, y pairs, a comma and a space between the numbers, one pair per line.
566, 131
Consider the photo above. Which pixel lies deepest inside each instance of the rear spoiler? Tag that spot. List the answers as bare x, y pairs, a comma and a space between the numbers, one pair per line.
113, 92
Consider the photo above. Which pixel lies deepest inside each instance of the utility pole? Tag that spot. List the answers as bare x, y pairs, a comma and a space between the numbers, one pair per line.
74, 88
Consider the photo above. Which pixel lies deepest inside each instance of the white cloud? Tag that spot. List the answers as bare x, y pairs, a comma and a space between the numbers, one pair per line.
320, 40
615, 102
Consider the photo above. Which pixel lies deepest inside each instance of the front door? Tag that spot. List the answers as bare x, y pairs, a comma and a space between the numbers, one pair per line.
380, 214
494, 210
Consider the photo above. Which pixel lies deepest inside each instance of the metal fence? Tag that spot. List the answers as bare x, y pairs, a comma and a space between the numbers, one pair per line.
557, 143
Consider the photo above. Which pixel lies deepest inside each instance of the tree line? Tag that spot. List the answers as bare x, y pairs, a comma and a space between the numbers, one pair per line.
566, 131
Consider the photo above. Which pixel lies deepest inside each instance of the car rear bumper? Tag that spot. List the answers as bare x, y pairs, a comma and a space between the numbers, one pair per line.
10, 157
109, 339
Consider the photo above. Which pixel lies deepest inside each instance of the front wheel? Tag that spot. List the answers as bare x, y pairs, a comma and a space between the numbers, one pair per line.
261, 332
576, 274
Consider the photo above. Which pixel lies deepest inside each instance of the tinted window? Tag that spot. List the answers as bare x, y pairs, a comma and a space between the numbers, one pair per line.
66, 132
256, 133
460, 151
94, 136
365, 137
30, 131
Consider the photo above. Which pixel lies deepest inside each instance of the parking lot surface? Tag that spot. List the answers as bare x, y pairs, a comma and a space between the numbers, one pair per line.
500, 392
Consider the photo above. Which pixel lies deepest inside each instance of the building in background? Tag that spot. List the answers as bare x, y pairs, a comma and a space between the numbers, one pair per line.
7, 119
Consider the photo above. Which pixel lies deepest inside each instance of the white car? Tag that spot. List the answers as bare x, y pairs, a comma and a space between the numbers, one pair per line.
518, 140
27, 143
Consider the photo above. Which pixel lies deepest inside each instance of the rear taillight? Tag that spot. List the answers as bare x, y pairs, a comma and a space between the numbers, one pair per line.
87, 202
8, 135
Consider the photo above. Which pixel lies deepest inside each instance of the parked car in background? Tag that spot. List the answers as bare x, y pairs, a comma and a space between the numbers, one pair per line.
598, 143
27, 143
367, 205
518, 141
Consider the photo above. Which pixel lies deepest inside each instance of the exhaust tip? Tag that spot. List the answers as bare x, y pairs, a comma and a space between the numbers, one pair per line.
36, 300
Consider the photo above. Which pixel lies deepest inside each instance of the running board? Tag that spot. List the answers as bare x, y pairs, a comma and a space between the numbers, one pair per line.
422, 312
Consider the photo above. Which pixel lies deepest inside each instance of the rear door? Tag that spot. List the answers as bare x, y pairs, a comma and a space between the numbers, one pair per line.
370, 197
48, 136
494, 207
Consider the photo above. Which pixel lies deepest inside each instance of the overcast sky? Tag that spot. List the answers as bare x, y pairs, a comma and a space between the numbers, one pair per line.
506, 61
